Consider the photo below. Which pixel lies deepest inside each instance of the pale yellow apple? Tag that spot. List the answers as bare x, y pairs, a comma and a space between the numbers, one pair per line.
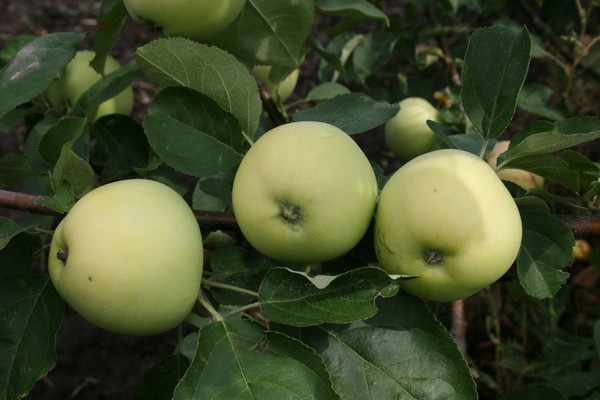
129, 257
446, 218
304, 192
525, 179
280, 91
407, 134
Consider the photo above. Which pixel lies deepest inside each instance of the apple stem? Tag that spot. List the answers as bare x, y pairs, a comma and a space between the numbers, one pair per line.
220, 285
433, 257
62, 255
291, 213
209, 307
242, 309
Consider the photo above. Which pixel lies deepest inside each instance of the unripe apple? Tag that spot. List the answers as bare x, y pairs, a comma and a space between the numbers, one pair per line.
281, 91
525, 179
128, 257
407, 134
446, 218
193, 19
304, 192
79, 76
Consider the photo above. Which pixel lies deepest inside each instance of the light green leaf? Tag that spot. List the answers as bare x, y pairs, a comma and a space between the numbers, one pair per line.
326, 91
269, 32
402, 352
191, 133
30, 314
352, 112
361, 9
534, 99
236, 359
32, 69
293, 298
208, 70
495, 67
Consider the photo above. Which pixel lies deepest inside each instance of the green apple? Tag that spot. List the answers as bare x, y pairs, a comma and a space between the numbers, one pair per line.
446, 218
128, 257
282, 90
525, 179
304, 192
79, 76
193, 19
407, 134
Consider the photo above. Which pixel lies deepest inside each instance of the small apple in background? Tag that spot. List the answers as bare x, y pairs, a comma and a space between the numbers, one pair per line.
193, 19
581, 250
280, 91
525, 179
407, 134
448, 219
128, 257
79, 76
305, 192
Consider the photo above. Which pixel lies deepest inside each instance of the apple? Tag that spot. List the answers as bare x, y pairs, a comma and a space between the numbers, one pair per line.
128, 257
407, 134
305, 192
193, 19
448, 220
79, 76
525, 179
280, 91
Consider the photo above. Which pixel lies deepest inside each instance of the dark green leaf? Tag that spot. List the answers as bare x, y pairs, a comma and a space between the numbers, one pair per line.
236, 359
536, 391
8, 229
14, 170
534, 99
74, 170
17, 257
208, 70
293, 298
112, 16
326, 91
13, 45
548, 167
280, 27
373, 51
65, 131
160, 381
402, 352
33, 68
30, 314
191, 133
353, 8
546, 248
352, 112
577, 384
495, 67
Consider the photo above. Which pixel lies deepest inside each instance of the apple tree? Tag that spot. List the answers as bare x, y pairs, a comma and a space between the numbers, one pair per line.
341, 327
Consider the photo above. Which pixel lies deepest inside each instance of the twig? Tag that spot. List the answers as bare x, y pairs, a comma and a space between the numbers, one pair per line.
459, 325
275, 115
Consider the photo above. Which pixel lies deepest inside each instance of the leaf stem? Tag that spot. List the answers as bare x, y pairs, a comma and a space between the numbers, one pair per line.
241, 309
209, 307
226, 286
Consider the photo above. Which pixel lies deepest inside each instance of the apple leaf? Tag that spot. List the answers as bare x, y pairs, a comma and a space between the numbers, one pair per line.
326, 91
64, 131
535, 391
534, 99
16, 257
352, 112
546, 248
109, 86
32, 69
280, 27
208, 70
577, 384
110, 20
13, 45
160, 380
30, 314
495, 66
191, 133
401, 352
236, 359
359, 9
14, 170
8, 229
296, 299
549, 167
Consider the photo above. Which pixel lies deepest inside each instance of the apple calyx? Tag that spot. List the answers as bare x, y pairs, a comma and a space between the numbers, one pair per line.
62, 255
433, 257
291, 214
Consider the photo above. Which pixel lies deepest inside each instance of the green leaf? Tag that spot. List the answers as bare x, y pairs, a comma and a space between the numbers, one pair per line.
547, 137
65, 131
326, 91
208, 70
107, 87
16, 257
33, 68
279, 27
360, 9
191, 133
74, 170
236, 359
352, 112
13, 45
30, 314
546, 248
160, 380
534, 99
296, 299
402, 352
547, 166
8, 229
495, 67
577, 384
14, 170
110, 20
535, 391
